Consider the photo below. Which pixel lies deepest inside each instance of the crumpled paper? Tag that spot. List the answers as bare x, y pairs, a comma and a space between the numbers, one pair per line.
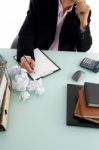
24, 96
36, 86
21, 82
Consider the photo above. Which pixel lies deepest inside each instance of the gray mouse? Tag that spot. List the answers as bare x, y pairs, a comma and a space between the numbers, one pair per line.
77, 75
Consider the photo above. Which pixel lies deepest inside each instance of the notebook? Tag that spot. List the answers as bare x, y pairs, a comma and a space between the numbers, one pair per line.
72, 97
87, 111
92, 94
77, 113
44, 65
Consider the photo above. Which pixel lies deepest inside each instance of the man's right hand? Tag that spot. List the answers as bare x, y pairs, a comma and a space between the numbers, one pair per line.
27, 63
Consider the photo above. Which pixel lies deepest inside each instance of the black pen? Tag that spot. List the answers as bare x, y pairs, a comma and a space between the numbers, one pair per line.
28, 62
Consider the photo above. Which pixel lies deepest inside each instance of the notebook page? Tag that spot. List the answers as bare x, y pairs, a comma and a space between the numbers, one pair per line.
44, 65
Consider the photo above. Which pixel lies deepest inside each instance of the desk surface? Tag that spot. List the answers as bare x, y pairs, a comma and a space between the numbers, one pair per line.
40, 122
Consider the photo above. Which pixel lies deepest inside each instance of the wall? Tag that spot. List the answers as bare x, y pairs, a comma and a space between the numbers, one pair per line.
12, 14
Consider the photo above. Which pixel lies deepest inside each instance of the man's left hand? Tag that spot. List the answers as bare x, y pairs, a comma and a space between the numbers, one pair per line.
82, 10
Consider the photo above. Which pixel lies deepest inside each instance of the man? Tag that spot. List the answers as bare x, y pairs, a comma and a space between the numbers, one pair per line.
56, 25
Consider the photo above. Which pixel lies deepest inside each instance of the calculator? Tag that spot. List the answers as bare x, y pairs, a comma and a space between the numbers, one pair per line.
90, 64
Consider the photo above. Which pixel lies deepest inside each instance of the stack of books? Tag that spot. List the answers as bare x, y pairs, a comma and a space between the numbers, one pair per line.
5, 90
87, 106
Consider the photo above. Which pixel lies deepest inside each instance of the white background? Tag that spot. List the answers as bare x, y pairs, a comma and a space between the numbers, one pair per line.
13, 13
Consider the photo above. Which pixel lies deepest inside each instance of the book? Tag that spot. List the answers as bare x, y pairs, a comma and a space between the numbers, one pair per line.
44, 65
92, 94
87, 111
77, 113
71, 102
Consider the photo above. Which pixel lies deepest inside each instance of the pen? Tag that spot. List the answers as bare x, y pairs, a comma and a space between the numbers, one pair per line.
28, 62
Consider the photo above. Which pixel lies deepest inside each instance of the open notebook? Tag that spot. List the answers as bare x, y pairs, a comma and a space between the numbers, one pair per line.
44, 65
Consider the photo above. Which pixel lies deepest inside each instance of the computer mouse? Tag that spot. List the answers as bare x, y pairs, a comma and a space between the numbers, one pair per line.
77, 75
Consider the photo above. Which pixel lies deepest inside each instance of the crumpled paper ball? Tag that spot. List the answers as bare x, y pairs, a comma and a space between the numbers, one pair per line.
36, 86
21, 82
24, 96
19, 78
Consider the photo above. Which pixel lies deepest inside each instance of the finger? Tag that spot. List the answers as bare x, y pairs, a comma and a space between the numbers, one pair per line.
82, 8
32, 63
26, 66
79, 9
28, 58
27, 63
79, 1
23, 58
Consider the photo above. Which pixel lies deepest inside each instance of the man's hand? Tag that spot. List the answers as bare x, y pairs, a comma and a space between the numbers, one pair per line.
82, 10
27, 63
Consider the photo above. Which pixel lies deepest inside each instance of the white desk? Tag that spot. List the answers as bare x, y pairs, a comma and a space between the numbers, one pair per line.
40, 122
